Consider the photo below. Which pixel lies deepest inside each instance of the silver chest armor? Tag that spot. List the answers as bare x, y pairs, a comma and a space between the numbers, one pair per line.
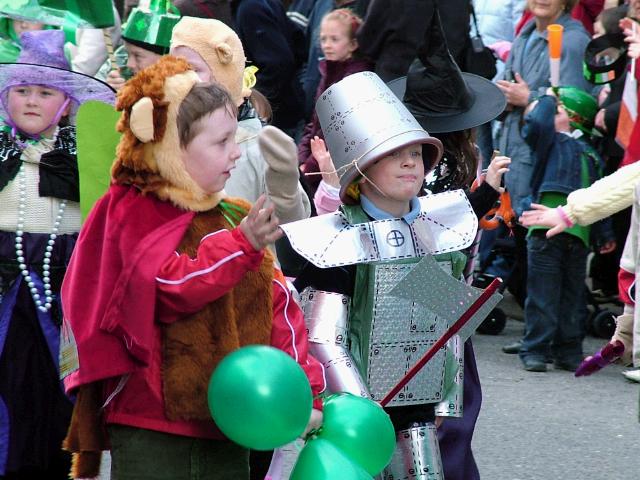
399, 333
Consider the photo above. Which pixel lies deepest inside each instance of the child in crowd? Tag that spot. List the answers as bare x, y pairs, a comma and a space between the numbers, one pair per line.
608, 195
381, 154
557, 131
339, 45
10, 31
268, 162
179, 277
146, 36
39, 221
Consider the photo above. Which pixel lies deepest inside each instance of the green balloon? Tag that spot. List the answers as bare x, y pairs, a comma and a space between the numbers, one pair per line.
260, 397
321, 460
361, 429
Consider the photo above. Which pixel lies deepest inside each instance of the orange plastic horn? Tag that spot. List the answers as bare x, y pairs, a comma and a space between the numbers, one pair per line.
555, 40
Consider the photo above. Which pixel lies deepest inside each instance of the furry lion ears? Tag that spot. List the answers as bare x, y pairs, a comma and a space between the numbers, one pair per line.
141, 120
224, 53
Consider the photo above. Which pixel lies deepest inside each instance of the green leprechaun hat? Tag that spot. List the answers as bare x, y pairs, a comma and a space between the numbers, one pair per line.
69, 15
32, 11
580, 106
151, 28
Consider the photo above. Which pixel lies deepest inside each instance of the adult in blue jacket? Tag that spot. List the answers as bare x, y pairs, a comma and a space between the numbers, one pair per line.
529, 65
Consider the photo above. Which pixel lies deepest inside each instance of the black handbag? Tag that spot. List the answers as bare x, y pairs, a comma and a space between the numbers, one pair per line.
479, 59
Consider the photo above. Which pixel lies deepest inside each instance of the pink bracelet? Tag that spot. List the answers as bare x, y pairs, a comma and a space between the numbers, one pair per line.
565, 218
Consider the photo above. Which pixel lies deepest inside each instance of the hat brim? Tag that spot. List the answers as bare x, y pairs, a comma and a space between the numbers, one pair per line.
489, 102
385, 148
78, 86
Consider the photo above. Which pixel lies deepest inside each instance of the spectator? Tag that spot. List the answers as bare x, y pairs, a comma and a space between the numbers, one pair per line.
267, 36
555, 307
311, 76
586, 11
393, 30
340, 47
218, 9
10, 31
142, 46
496, 23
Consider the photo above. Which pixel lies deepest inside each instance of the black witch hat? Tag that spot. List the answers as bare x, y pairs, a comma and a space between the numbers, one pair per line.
439, 95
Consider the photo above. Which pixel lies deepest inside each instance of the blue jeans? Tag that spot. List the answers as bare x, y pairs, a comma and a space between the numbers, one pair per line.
555, 306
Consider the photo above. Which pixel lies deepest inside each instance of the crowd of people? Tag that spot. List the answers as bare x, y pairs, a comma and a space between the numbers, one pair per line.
279, 168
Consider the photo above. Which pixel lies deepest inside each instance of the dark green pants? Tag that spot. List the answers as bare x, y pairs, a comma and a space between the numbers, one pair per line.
139, 454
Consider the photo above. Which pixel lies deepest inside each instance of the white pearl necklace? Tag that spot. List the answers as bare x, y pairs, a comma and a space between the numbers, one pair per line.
48, 294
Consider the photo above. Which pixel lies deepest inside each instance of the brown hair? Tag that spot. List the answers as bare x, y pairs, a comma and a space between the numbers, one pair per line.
347, 18
202, 100
460, 146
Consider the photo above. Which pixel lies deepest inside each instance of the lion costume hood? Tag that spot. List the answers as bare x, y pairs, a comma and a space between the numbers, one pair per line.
148, 155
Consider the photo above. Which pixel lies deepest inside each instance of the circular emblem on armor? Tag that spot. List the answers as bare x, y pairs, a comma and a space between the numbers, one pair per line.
395, 238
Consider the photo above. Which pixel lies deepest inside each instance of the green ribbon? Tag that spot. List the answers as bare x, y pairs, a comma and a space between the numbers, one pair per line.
232, 213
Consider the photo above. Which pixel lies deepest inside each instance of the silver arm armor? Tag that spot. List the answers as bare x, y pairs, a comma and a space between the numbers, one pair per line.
327, 318
451, 404
417, 455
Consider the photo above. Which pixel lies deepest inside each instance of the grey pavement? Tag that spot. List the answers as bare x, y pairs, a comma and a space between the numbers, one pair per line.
547, 426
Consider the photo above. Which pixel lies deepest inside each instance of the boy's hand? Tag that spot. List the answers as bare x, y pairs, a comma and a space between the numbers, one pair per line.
315, 422
115, 80
497, 168
323, 157
541, 216
260, 226
608, 247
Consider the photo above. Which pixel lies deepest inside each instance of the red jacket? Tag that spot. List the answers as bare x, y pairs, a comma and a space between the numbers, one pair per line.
125, 261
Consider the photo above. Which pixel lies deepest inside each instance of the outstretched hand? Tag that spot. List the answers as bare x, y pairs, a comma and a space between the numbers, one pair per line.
541, 216
323, 157
632, 36
115, 80
260, 226
497, 168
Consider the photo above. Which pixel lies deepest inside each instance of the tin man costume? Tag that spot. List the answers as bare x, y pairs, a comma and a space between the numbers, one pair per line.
378, 293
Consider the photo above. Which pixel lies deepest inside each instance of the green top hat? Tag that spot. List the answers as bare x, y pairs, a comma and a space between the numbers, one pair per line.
151, 29
580, 106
